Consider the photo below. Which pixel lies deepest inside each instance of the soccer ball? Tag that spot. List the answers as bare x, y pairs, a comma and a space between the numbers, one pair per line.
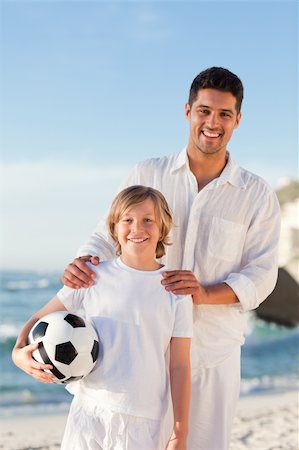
66, 341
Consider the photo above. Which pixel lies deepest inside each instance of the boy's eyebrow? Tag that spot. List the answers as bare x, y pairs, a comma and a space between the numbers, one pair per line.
149, 213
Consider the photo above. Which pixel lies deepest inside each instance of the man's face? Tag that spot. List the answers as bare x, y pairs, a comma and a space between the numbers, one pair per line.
213, 118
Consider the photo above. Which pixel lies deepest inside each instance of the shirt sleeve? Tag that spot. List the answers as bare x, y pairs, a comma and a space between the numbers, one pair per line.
259, 268
183, 325
71, 298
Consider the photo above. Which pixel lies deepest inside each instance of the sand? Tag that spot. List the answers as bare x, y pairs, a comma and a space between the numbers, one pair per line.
265, 422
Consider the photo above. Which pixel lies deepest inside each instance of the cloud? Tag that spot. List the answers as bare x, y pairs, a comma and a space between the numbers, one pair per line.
149, 24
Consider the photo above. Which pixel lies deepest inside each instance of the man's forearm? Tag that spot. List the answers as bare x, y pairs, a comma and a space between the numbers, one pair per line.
216, 294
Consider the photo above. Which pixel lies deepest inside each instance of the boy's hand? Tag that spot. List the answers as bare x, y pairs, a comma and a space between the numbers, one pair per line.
176, 443
78, 274
22, 357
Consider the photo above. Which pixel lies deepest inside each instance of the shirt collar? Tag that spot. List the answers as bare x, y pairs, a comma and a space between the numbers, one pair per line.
180, 161
231, 173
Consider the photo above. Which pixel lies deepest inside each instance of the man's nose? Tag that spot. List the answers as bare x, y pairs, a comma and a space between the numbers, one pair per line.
212, 120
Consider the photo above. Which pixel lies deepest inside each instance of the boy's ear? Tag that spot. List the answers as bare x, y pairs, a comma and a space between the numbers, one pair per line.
115, 231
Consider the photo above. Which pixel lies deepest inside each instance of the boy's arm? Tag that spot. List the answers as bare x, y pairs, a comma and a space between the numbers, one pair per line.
180, 391
22, 353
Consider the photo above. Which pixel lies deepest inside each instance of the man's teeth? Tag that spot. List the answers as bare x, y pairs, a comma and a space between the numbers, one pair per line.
212, 135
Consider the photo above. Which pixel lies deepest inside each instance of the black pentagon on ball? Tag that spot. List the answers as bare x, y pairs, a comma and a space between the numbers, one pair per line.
95, 351
65, 353
45, 357
74, 321
40, 330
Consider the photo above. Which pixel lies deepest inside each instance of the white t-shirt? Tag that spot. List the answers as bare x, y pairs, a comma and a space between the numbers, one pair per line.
135, 319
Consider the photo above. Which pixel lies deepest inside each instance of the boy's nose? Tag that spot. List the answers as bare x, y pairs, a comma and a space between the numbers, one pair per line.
136, 227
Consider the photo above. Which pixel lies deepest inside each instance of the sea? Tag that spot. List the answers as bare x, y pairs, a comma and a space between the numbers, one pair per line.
269, 361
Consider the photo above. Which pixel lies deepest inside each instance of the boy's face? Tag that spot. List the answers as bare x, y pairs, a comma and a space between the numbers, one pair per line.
138, 232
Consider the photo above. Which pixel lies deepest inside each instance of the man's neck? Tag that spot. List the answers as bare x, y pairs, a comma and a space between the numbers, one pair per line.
206, 168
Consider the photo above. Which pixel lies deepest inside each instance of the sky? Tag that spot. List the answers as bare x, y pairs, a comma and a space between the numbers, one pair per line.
89, 88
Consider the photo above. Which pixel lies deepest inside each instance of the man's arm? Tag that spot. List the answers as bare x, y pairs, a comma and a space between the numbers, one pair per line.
184, 282
259, 267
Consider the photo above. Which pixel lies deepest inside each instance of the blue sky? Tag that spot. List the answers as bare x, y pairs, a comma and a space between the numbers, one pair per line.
89, 88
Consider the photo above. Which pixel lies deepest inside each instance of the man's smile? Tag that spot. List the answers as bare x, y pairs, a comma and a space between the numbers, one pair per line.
211, 134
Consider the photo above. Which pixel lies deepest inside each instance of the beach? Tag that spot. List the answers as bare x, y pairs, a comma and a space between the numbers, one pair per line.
263, 422
33, 415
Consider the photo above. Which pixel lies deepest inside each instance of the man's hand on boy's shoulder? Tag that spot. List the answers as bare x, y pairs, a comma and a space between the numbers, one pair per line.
78, 274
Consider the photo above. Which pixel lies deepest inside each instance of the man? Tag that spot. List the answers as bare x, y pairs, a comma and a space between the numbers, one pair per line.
225, 243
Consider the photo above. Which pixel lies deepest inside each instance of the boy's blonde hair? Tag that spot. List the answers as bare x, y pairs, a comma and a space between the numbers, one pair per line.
132, 196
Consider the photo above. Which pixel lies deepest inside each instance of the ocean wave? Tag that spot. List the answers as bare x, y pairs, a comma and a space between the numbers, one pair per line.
33, 401
22, 281
270, 384
25, 284
8, 330
8, 336
34, 409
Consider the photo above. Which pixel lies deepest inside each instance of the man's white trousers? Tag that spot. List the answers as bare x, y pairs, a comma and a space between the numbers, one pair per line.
214, 397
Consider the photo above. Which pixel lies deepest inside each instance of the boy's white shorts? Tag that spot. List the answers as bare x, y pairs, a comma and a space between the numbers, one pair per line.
109, 431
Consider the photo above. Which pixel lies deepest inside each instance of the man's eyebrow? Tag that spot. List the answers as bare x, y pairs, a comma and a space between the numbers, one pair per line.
203, 106
227, 110
220, 109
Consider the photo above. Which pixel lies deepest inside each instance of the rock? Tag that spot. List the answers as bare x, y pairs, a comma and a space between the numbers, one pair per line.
282, 306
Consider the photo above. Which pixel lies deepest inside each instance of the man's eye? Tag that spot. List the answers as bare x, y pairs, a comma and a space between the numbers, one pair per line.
226, 114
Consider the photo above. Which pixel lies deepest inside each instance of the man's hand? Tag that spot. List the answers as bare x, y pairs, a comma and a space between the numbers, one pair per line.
78, 274
22, 357
184, 282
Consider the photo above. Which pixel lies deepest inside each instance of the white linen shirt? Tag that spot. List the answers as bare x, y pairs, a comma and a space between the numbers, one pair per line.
228, 232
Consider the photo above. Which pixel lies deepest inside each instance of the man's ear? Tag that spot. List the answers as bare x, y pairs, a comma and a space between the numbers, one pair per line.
187, 111
238, 119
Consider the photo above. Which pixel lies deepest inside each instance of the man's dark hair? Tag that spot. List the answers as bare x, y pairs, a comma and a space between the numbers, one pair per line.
220, 79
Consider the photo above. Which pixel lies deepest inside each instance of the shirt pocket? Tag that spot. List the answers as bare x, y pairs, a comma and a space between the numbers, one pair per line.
225, 239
